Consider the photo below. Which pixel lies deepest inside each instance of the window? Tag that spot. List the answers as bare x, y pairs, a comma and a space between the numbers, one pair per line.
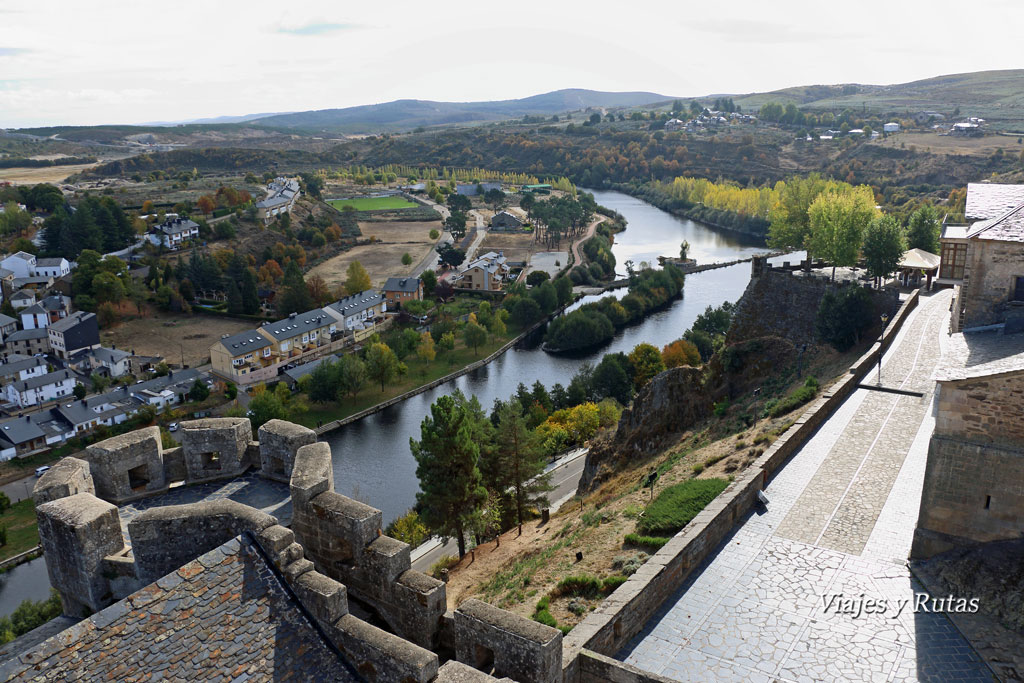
266, 352
312, 335
305, 339
1018, 289
954, 257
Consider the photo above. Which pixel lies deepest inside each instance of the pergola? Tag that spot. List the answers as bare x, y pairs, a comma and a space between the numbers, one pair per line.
914, 264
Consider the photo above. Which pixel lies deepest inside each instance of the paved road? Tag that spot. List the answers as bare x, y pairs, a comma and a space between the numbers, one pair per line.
840, 520
481, 233
565, 477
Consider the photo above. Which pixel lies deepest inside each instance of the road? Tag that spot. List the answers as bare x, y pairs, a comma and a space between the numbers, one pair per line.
20, 489
577, 255
565, 477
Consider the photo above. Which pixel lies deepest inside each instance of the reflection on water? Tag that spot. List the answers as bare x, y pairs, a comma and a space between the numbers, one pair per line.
27, 581
372, 461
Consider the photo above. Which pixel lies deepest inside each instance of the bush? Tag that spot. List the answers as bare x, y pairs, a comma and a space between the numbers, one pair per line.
408, 529
537, 278
793, 400
843, 315
721, 408
542, 615
677, 505
652, 542
445, 562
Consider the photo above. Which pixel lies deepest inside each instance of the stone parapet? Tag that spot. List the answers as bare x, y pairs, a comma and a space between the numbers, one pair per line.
128, 466
278, 443
66, 478
215, 447
493, 639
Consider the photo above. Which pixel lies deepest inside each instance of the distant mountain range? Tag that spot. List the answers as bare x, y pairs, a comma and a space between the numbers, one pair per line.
408, 114
217, 119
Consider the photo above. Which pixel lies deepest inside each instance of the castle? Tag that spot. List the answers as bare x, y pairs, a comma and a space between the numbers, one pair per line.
218, 589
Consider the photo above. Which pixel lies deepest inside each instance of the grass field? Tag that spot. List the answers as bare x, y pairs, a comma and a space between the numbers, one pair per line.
22, 532
383, 258
373, 203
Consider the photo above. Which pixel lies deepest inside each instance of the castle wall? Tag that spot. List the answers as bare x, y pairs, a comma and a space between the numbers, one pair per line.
66, 478
129, 466
279, 441
522, 649
989, 280
215, 447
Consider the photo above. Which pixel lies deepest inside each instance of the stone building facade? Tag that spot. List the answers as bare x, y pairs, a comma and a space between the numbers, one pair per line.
973, 490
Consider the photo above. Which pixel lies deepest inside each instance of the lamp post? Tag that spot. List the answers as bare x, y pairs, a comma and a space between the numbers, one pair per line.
881, 337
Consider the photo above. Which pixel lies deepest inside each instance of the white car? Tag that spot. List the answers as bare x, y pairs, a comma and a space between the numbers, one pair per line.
173, 427
40, 471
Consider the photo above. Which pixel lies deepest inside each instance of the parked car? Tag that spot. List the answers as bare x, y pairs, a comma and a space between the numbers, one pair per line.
173, 427
40, 471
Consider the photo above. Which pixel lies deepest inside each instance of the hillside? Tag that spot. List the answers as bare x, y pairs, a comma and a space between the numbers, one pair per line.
408, 114
996, 95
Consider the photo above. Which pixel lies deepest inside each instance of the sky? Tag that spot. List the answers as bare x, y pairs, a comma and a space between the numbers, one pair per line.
88, 62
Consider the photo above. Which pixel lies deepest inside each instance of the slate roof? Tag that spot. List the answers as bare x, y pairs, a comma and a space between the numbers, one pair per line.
225, 616
300, 323
65, 324
50, 262
402, 284
357, 303
1009, 227
19, 365
176, 226
23, 294
22, 335
991, 200
244, 342
19, 430
110, 355
43, 380
6, 320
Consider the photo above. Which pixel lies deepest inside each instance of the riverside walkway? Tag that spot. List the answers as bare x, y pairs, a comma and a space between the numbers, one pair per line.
839, 522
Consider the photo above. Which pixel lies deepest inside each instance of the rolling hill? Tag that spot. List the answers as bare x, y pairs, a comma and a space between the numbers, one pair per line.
408, 114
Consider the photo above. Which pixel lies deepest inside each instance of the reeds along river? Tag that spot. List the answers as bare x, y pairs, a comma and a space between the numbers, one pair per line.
372, 461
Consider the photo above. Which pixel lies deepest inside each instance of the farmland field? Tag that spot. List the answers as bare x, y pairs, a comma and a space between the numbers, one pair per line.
383, 258
373, 203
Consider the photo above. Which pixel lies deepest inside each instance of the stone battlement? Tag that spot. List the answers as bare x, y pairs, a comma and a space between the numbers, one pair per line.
335, 550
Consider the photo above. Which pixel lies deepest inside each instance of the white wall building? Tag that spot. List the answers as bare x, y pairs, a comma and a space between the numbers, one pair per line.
36, 390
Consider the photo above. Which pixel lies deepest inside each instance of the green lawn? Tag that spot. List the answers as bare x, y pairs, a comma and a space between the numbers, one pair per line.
309, 414
22, 532
373, 203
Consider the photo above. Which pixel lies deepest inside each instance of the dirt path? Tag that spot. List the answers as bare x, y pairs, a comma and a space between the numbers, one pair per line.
576, 255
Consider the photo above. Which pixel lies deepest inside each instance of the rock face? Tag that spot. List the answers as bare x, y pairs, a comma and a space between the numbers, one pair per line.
678, 398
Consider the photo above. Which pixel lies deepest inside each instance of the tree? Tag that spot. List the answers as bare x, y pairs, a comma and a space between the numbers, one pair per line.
610, 378
429, 278
451, 255
459, 202
447, 456
679, 353
406, 259
563, 288
838, 221
425, 349
198, 391
356, 279
474, 335
382, 365
843, 315
646, 362
884, 244
537, 277
447, 343
456, 224
234, 298
294, 296
496, 198
265, 406
107, 287
318, 290
519, 456
350, 375
79, 391
206, 204
790, 222
923, 229
322, 385
434, 234
106, 314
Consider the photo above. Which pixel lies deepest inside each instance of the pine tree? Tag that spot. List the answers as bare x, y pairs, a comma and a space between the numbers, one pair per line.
446, 455
250, 293
519, 456
234, 298
294, 296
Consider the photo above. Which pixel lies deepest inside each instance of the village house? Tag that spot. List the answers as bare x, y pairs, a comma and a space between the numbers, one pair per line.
8, 325
20, 436
26, 343
400, 289
43, 313
486, 273
244, 358
80, 330
22, 299
21, 367
282, 193
506, 221
52, 267
103, 361
984, 260
173, 233
891, 127
359, 313
21, 263
40, 389
300, 333
674, 124
473, 189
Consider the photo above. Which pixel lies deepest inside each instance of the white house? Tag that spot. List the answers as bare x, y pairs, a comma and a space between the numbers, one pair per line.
52, 267
891, 127
21, 263
353, 311
282, 194
17, 367
174, 232
116, 361
42, 314
40, 389
23, 299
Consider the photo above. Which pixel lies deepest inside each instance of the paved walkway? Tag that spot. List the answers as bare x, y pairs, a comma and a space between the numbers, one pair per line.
839, 521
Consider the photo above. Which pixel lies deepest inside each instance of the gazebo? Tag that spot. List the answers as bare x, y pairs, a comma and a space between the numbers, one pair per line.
914, 264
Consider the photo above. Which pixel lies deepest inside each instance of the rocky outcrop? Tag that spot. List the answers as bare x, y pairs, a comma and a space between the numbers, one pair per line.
679, 398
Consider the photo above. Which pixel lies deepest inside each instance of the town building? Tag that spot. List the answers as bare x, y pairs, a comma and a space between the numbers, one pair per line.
359, 313
400, 289
22, 299
18, 367
27, 343
52, 267
8, 325
41, 388
300, 333
282, 193
21, 263
173, 233
103, 361
46, 311
891, 127
486, 273
506, 221
20, 436
80, 330
244, 358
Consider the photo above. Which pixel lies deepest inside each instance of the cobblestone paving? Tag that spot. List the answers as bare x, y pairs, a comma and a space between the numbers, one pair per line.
840, 521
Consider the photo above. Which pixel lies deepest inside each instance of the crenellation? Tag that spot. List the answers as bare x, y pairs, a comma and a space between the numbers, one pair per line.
279, 441
215, 447
66, 478
129, 466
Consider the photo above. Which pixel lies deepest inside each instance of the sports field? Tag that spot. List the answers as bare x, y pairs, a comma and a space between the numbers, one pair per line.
373, 203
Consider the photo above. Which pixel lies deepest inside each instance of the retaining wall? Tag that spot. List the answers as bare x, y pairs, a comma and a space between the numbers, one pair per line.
627, 610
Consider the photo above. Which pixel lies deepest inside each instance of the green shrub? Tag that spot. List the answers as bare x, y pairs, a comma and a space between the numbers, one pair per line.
698, 468
446, 562
408, 529
721, 408
843, 315
677, 505
652, 542
579, 584
613, 582
795, 399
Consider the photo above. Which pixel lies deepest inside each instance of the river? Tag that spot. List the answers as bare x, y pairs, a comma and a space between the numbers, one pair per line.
372, 461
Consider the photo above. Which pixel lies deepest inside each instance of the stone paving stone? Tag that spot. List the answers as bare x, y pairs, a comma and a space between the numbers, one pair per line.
840, 519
